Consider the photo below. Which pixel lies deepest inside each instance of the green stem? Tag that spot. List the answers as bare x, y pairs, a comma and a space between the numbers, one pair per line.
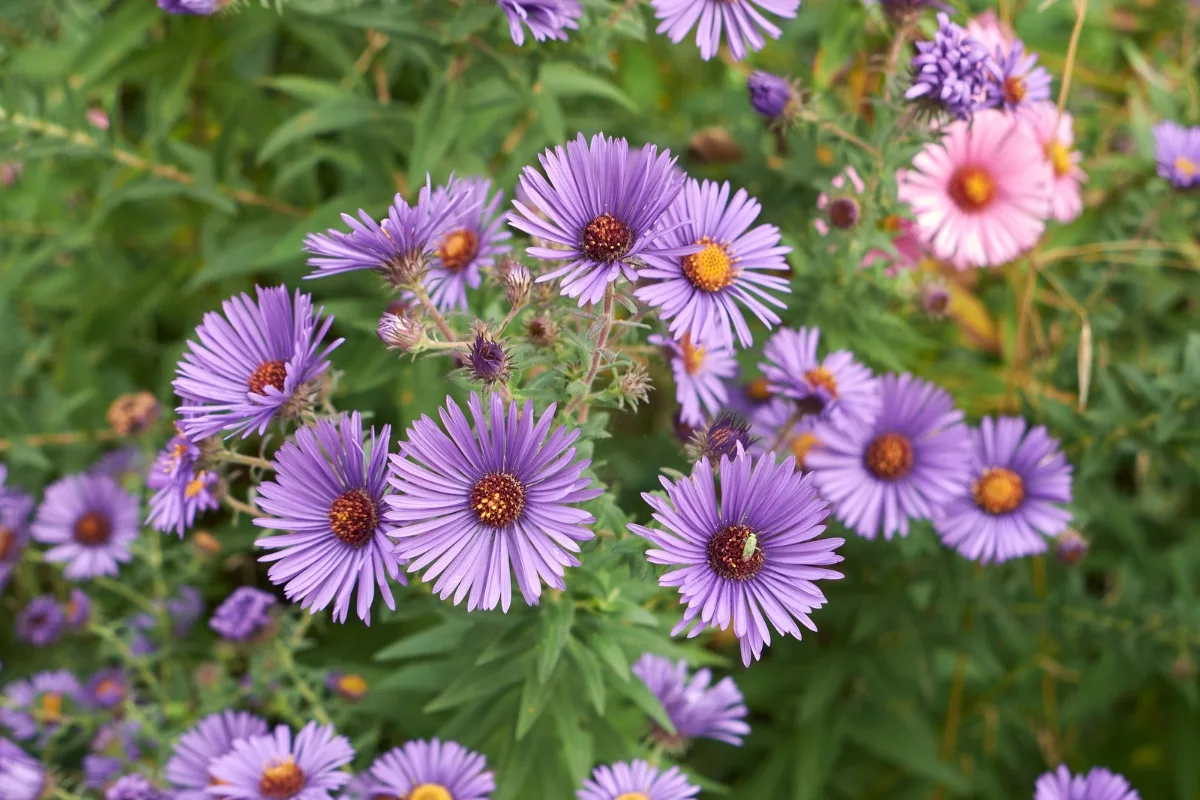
418, 288
601, 343
231, 457
107, 634
117, 587
288, 662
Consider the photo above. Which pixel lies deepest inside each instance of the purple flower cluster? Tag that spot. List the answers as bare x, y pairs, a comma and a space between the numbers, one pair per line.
954, 72
181, 491
243, 614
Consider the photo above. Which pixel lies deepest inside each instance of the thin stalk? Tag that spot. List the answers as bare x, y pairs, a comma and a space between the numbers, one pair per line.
239, 506
601, 342
288, 662
232, 457
418, 288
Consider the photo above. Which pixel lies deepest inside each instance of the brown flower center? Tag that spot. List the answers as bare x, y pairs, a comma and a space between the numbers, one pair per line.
710, 270
269, 373
281, 780
890, 456
1014, 89
728, 554
458, 249
998, 490
8, 542
1059, 157
606, 239
430, 791
972, 188
823, 378
497, 499
759, 390
93, 529
353, 517
843, 213
692, 356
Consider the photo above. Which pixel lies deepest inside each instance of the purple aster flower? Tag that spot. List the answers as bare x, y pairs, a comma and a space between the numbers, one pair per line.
636, 781
1020, 83
1177, 150
181, 491
243, 614
40, 703
475, 505
473, 241
184, 609
398, 248
277, 766
41, 622
107, 688
328, 493
433, 770
602, 208
202, 8
770, 95
696, 708
78, 609
836, 388
749, 559
1098, 784
260, 360
700, 374
212, 737
119, 464
904, 466
768, 422
134, 787
21, 777
743, 23
954, 72
546, 19
98, 770
140, 628
91, 522
699, 292
15, 508
1009, 502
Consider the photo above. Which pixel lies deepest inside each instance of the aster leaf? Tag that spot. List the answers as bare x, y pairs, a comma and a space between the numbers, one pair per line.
589, 672
557, 618
480, 682
563, 79
536, 695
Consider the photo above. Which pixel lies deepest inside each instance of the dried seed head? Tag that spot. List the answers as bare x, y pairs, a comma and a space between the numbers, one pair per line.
542, 331
635, 386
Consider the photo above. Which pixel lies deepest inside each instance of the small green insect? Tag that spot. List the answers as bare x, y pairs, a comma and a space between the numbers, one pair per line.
749, 548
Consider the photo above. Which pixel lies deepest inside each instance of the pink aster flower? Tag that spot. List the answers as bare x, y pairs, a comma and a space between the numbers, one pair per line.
1056, 134
980, 195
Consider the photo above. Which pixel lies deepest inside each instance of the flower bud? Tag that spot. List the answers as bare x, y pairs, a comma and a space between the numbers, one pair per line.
635, 386
541, 331
1070, 546
130, 414
720, 437
935, 298
770, 95
206, 543
518, 282
401, 331
488, 361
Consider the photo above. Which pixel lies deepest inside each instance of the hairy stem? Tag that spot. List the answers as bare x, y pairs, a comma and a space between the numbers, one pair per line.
418, 288
601, 342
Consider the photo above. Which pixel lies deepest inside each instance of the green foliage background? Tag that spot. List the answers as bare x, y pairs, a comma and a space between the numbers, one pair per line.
233, 137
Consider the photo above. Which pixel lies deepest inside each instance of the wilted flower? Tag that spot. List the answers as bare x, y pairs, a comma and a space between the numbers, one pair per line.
981, 194
634, 781
750, 557
1177, 150
542, 331
401, 332
132, 413
954, 72
474, 506
487, 361
1098, 784
696, 707
634, 385
91, 522
327, 498
199, 748
743, 23
278, 766
602, 208
254, 363
41, 622
546, 19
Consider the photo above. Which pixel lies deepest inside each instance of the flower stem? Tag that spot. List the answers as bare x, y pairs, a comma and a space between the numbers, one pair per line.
107, 634
601, 343
232, 457
418, 288
116, 587
786, 430
239, 506
288, 662
839, 132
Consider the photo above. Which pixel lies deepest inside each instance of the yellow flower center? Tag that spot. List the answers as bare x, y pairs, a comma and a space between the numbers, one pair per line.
50, 707
998, 491
458, 249
823, 378
759, 390
972, 188
890, 456
195, 486
1186, 166
352, 685
801, 445
711, 269
633, 796
693, 357
281, 780
890, 223
1059, 157
430, 791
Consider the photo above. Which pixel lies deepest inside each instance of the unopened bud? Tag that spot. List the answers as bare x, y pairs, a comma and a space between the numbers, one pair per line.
518, 282
206, 543
400, 332
488, 360
720, 438
542, 331
130, 414
635, 386
935, 298
1070, 546
9, 172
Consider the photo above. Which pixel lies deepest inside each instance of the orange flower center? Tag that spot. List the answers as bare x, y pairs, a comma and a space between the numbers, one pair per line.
710, 270
458, 249
890, 456
633, 796
269, 373
998, 491
890, 223
1186, 166
972, 188
352, 685
801, 445
1059, 157
430, 791
759, 390
50, 707
692, 356
281, 780
196, 485
1014, 89
823, 378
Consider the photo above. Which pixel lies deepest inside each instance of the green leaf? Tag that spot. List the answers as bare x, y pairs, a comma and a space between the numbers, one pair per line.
119, 35
535, 696
644, 699
905, 740
588, 670
557, 618
480, 682
562, 79
335, 115
445, 637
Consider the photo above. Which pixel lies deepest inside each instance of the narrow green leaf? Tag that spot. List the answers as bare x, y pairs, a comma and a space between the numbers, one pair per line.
445, 637
557, 618
536, 695
588, 669
644, 699
480, 682
562, 79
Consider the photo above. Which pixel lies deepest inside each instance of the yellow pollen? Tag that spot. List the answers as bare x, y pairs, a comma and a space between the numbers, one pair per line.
195, 486
1186, 166
458, 249
108, 687
823, 378
972, 188
711, 269
51, 707
633, 796
801, 445
1059, 157
998, 490
430, 791
352, 684
693, 357
281, 779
